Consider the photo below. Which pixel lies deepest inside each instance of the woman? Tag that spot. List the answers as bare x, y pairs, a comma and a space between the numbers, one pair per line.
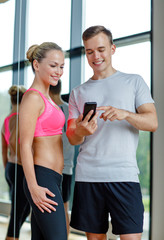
20, 207
41, 123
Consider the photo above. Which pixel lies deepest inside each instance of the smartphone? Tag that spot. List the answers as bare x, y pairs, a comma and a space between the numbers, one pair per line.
88, 106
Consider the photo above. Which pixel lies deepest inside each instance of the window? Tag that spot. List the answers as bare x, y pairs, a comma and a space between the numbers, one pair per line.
49, 21
7, 32
123, 18
6, 79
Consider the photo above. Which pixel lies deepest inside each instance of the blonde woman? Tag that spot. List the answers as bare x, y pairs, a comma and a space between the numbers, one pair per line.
12, 164
41, 123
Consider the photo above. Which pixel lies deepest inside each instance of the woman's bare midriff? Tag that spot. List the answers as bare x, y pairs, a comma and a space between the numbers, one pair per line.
48, 152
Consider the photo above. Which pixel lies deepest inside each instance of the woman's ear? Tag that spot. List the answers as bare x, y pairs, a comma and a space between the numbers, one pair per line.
35, 65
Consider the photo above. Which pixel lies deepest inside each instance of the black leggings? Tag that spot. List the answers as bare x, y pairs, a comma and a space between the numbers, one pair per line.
19, 201
48, 226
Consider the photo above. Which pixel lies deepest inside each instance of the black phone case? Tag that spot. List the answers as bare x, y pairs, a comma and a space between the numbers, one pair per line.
88, 106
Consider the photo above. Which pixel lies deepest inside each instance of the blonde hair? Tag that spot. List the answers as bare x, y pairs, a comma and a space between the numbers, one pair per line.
38, 52
16, 93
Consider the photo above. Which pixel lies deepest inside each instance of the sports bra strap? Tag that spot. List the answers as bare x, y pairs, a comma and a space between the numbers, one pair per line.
41, 94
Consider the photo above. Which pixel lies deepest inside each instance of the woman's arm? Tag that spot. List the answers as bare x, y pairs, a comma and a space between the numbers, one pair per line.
30, 109
4, 149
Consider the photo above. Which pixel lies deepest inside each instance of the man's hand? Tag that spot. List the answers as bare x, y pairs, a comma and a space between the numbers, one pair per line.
144, 119
111, 113
86, 127
78, 129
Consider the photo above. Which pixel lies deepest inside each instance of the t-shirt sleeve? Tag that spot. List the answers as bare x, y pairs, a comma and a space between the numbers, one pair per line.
143, 94
73, 108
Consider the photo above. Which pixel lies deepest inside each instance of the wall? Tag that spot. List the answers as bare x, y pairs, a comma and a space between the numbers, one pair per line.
158, 138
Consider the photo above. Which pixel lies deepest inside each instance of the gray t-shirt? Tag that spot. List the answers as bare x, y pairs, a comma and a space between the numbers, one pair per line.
109, 155
68, 149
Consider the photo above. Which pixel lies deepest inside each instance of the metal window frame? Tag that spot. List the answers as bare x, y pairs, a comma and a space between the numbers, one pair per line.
75, 53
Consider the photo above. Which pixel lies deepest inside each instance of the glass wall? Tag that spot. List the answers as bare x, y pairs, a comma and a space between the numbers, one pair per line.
51, 21
6, 82
44, 21
122, 17
7, 32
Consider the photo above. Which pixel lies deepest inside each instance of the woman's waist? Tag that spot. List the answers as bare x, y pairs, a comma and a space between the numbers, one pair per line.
14, 159
48, 139
56, 163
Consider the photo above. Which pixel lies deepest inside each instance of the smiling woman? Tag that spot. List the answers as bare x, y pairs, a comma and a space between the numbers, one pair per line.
41, 143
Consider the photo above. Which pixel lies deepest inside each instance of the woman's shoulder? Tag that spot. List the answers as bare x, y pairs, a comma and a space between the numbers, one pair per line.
32, 100
32, 95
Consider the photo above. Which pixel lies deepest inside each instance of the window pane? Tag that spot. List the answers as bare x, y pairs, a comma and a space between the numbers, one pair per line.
6, 82
130, 59
7, 11
49, 21
134, 59
123, 18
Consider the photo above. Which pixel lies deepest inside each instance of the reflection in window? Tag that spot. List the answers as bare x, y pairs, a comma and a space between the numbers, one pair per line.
49, 21
7, 11
6, 82
123, 18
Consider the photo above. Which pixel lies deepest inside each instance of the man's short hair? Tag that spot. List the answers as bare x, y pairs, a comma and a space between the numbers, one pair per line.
94, 30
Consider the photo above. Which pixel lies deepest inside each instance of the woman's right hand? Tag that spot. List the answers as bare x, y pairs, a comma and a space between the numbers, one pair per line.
39, 197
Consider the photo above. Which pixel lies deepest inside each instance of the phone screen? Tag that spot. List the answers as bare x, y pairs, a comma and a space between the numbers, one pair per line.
88, 106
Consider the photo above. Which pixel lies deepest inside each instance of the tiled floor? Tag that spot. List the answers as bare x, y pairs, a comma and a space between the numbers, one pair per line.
25, 231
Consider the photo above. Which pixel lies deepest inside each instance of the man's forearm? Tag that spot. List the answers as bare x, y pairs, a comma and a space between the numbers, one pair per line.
143, 121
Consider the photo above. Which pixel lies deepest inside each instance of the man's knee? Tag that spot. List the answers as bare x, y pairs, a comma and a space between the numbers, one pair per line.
95, 236
136, 236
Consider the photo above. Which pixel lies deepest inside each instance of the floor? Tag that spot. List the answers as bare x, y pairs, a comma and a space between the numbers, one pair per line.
25, 231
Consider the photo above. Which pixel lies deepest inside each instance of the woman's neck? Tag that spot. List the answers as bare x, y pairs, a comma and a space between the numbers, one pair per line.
57, 99
14, 108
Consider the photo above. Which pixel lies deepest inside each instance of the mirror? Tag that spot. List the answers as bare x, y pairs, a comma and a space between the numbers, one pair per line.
15, 70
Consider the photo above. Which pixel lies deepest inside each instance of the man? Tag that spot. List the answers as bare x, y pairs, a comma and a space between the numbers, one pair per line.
68, 151
107, 172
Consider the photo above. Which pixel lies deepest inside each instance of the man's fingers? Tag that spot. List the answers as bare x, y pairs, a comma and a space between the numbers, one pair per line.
102, 108
79, 119
95, 116
86, 119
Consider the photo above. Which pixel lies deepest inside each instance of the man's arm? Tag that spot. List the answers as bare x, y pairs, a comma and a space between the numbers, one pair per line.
145, 119
78, 129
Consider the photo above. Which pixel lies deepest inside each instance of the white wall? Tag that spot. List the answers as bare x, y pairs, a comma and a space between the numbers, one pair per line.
158, 146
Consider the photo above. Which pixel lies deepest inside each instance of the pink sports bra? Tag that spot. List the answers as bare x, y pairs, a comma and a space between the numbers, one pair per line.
7, 130
51, 121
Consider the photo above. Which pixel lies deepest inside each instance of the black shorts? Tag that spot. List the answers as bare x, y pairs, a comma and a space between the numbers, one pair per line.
66, 187
94, 201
